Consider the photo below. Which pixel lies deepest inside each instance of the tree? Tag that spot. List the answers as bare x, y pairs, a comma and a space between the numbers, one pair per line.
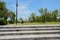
29, 19
3, 12
21, 20
2, 6
5, 15
54, 15
12, 16
43, 13
59, 18
38, 18
33, 17
48, 17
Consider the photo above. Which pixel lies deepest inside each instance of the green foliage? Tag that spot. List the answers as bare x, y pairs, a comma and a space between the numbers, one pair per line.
11, 15
2, 5
58, 18
21, 20
43, 13
46, 16
38, 18
4, 13
2, 21
54, 15
33, 17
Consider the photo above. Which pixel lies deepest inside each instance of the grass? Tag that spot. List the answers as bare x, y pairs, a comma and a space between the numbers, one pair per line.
38, 23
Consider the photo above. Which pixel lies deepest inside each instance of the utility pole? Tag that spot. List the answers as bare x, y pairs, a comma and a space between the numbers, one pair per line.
16, 10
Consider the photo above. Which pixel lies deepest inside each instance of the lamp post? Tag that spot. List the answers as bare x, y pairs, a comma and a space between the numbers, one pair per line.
16, 10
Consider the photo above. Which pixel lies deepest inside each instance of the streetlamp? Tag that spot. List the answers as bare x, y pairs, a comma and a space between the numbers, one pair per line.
16, 10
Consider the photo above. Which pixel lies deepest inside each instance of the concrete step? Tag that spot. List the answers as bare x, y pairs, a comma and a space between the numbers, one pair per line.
30, 36
16, 33
30, 32
21, 30
34, 39
44, 25
29, 27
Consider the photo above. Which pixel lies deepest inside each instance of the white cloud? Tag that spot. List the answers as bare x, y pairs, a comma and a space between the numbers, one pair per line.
23, 11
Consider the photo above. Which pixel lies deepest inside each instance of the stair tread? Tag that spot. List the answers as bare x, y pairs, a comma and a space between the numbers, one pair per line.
29, 36
31, 31
14, 32
29, 28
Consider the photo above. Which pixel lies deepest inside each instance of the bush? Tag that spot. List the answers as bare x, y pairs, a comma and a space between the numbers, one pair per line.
11, 22
3, 22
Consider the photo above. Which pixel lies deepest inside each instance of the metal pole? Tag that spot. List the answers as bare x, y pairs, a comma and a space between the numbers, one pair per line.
16, 10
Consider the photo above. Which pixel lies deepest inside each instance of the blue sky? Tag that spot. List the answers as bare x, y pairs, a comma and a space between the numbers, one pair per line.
26, 7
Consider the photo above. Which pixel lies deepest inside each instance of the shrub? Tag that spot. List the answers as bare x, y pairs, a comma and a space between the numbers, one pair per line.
3, 22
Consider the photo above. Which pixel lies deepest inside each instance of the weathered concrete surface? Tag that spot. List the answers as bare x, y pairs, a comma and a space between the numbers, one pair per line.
29, 36
35, 39
30, 32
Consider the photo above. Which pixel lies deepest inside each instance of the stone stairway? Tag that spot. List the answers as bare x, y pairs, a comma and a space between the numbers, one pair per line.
30, 33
